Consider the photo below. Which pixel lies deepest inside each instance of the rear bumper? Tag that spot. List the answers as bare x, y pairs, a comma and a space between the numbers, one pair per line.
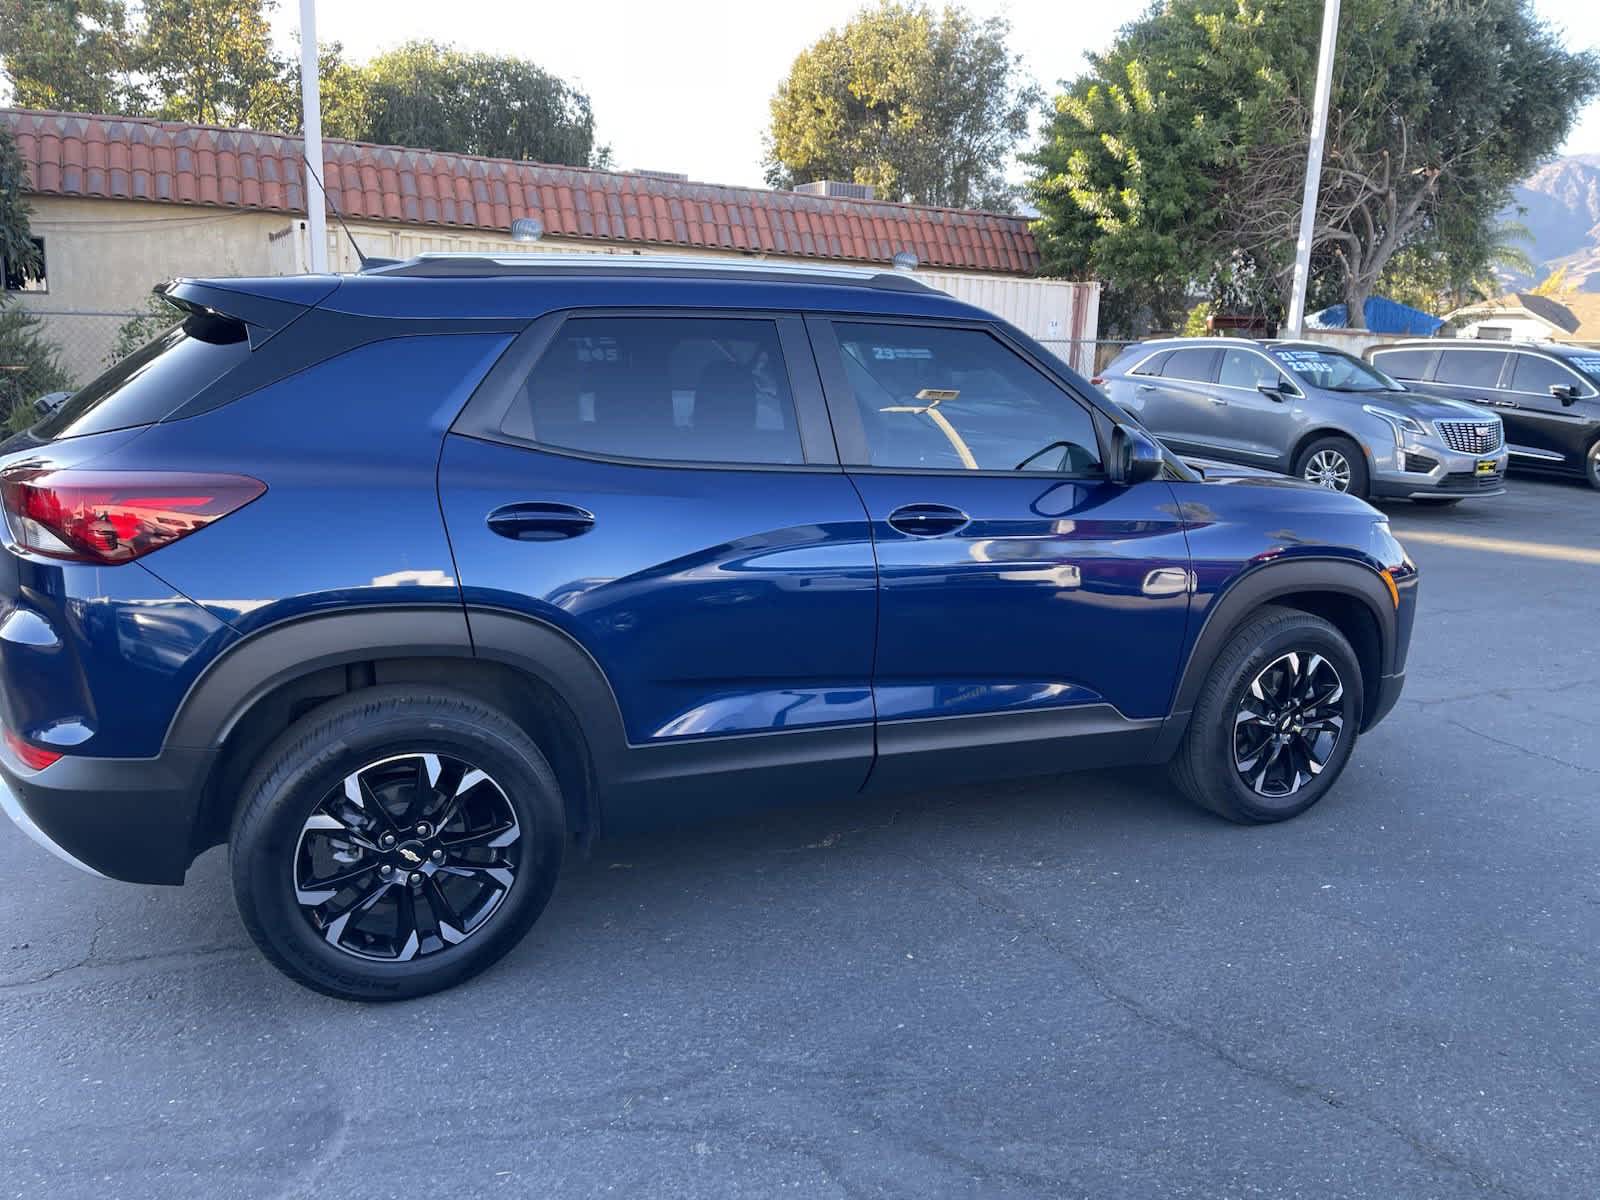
128, 819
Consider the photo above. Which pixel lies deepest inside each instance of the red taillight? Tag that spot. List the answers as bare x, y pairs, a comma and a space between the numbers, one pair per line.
115, 516
32, 757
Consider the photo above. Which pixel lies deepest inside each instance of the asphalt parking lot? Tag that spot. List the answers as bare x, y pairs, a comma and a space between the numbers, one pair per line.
1076, 987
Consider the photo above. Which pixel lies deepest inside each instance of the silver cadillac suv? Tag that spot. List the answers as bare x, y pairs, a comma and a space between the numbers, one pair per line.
1310, 411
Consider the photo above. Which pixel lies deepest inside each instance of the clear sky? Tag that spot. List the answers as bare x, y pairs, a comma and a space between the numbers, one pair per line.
684, 86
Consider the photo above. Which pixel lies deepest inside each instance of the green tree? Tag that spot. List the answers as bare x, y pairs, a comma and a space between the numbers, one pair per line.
29, 365
155, 318
71, 55
212, 62
924, 106
1182, 148
441, 98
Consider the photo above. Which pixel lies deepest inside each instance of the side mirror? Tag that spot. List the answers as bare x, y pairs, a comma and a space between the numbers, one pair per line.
1564, 392
1272, 391
1135, 458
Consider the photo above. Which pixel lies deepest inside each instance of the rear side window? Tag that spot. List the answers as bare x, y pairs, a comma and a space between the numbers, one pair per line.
680, 389
1470, 368
1404, 364
959, 399
152, 382
1194, 365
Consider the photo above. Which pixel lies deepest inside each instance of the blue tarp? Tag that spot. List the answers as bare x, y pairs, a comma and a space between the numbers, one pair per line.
1383, 316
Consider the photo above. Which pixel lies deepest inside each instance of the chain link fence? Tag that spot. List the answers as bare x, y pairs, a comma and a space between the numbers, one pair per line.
44, 351
1086, 356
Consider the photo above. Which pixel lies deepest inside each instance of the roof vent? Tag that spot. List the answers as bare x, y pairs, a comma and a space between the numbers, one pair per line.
527, 229
838, 189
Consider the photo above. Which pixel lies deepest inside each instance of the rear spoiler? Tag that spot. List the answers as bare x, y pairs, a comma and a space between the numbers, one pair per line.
262, 306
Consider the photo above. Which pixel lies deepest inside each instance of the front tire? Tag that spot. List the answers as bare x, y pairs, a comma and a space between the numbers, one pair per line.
396, 842
1275, 722
1335, 463
1591, 466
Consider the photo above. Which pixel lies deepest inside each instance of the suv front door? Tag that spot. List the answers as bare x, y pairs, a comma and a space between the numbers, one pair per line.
1542, 428
1028, 607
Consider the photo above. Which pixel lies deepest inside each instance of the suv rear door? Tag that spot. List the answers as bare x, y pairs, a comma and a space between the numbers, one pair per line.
1031, 613
1190, 410
662, 489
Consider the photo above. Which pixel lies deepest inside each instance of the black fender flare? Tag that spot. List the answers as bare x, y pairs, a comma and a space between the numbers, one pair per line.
265, 660
1261, 585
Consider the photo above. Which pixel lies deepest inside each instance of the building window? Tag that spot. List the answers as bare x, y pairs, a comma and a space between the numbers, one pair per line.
32, 279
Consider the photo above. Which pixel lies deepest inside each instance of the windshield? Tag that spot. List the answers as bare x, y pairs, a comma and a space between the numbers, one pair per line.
1334, 371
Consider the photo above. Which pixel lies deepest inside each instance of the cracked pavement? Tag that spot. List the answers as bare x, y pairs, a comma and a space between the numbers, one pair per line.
1071, 987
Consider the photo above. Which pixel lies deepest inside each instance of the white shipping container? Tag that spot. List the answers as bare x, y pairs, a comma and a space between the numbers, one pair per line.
1061, 314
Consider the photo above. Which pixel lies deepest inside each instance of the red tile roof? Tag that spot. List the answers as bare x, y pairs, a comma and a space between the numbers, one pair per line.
75, 154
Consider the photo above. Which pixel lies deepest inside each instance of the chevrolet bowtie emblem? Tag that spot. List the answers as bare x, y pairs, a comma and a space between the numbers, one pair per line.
410, 855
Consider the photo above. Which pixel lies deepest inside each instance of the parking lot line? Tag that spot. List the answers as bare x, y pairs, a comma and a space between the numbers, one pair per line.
1576, 554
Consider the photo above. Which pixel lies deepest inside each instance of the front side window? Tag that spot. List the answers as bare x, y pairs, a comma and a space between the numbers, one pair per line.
1247, 369
1531, 373
960, 399
680, 389
1470, 368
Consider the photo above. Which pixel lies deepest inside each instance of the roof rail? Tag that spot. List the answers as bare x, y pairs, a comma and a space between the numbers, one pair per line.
661, 266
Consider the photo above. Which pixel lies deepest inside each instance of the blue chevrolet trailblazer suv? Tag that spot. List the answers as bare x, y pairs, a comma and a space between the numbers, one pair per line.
399, 584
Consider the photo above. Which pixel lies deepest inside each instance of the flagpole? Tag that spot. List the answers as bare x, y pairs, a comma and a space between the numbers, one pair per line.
311, 99
1308, 202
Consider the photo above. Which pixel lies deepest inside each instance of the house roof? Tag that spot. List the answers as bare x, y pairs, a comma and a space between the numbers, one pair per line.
1544, 308
77, 154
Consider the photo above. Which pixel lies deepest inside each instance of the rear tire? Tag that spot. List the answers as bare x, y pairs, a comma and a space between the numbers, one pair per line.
1226, 761
1336, 463
1591, 466
396, 842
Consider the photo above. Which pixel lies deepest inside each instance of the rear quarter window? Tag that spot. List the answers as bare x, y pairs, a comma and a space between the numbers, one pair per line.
151, 382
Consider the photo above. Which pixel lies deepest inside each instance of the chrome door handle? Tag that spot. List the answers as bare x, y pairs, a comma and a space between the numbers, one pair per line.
928, 520
1147, 387
540, 521
1218, 400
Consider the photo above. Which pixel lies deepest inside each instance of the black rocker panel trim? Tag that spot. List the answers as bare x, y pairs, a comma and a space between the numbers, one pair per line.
947, 750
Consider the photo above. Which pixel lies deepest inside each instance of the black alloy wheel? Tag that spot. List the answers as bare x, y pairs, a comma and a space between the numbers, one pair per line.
1288, 724
1274, 722
395, 842
407, 856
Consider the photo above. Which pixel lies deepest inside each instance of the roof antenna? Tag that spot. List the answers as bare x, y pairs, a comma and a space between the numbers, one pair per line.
343, 224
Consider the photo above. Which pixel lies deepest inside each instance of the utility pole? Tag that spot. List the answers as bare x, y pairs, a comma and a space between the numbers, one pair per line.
1319, 133
311, 100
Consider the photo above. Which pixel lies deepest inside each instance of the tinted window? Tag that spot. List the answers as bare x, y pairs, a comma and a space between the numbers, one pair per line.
1530, 373
961, 399
1471, 368
1404, 364
1246, 369
1153, 364
1189, 364
684, 389
152, 382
